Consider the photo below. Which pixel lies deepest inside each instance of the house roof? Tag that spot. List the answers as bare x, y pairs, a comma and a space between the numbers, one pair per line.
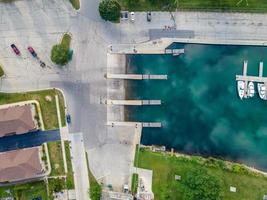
20, 165
16, 120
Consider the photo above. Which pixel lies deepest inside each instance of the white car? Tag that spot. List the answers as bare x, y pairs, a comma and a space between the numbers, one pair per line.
132, 16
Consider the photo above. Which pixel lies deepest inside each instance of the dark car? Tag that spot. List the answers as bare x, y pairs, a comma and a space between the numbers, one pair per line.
42, 64
31, 50
68, 118
148, 16
124, 15
15, 49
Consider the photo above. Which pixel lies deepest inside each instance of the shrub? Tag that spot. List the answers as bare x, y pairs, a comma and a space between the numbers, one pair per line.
59, 54
109, 10
56, 185
134, 183
239, 169
198, 184
1, 71
95, 192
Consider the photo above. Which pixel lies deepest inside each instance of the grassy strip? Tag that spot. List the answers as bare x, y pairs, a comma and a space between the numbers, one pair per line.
95, 187
1, 71
25, 191
65, 42
249, 185
70, 178
134, 183
202, 5
75, 4
48, 108
56, 158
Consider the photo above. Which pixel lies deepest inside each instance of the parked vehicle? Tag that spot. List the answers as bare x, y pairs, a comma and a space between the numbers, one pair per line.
124, 15
68, 118
31, 50
132, 16
15, 49
148, 16
42, 64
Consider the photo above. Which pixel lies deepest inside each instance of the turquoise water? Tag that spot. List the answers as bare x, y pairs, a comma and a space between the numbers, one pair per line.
201, 112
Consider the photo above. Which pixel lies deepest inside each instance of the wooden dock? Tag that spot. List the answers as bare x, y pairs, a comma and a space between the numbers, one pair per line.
137, 76
133, 102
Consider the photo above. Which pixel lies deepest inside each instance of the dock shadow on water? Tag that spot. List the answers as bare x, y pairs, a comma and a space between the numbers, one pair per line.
201, 111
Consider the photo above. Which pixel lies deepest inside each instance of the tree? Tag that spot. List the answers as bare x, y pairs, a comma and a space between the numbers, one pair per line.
56, 185
198, 184
95, 191
59, 54
109, 10
132, 3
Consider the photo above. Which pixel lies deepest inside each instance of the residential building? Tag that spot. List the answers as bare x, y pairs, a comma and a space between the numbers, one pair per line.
16, 120
21, 165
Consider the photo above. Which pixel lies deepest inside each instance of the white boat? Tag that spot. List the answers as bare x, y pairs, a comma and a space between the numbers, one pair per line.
241, 89
250, 90
262, 91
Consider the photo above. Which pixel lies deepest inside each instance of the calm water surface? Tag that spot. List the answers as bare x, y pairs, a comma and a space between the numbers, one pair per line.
201, 112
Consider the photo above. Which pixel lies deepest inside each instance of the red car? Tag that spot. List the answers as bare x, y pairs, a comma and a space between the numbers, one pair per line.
15, 49
31, 50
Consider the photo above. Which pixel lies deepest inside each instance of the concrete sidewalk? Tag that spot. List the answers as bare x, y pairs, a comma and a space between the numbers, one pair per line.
79, 166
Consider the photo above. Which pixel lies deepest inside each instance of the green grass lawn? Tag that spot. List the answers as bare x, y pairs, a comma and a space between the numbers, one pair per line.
205, 5
165, 167
75, 4
57, 164
66, 40
48, 109
70, 178
95, 187
25, 191
56, 158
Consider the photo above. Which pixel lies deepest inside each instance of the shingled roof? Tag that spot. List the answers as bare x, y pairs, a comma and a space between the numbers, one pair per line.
16, 120
20, 164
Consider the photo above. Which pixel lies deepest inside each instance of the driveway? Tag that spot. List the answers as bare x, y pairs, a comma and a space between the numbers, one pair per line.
32, 139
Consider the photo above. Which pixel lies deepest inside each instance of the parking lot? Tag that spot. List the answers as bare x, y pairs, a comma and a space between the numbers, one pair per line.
41, 24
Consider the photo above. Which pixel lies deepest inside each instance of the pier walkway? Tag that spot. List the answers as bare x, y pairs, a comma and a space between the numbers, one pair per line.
251, 78
246, 78
133, 102
137, 76
175, 52
131, 124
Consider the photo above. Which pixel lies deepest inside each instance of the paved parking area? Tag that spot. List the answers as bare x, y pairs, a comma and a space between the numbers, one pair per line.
209, 25
41, 23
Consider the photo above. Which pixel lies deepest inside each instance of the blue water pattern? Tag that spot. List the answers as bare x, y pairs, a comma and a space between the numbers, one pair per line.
201, 111
31, 139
